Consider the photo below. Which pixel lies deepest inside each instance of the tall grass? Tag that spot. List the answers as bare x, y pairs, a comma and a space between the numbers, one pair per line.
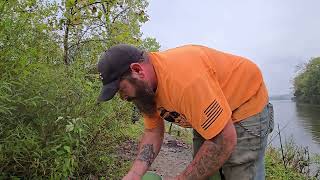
296, 162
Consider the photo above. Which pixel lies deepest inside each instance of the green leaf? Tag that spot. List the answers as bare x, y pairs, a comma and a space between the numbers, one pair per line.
67, 148
99, 14
70, 3
69, 127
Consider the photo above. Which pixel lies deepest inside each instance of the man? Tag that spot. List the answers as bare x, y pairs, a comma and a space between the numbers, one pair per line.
221, 96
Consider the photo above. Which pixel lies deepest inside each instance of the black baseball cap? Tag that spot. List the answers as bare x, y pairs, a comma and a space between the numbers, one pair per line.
113, 63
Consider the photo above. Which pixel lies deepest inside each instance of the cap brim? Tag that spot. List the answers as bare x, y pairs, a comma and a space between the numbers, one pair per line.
108, 91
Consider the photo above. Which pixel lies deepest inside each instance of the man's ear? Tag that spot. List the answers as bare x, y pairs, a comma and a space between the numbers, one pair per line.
137, 70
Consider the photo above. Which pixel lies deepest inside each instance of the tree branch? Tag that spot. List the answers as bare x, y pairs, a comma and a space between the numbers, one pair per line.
117, 16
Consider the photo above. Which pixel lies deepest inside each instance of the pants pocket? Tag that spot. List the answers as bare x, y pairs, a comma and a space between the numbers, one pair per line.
251, 131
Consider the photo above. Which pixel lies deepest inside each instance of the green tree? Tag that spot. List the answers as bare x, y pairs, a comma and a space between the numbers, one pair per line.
50, 124
150, 44
307, 82
91, 26
23, 23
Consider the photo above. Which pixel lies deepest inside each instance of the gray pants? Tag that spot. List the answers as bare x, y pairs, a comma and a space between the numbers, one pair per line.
247, 160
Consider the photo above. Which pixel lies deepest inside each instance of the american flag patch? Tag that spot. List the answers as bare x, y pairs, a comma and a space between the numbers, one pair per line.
212, 112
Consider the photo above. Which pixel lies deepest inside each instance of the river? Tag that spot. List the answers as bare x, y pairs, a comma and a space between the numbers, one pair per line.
298, 121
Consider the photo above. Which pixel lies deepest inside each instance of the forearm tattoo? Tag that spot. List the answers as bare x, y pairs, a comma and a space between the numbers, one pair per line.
209, 158
147, 154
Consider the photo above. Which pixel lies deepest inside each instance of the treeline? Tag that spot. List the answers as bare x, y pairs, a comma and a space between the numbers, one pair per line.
50, 124
307, 82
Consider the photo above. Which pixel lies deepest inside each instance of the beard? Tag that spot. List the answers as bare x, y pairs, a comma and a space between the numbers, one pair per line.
144, 98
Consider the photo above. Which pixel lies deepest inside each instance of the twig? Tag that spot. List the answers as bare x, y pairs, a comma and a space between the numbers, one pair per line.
273, 138
117, 16
283, 159
170, 128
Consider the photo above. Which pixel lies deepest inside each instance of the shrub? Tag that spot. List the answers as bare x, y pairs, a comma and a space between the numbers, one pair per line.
52, 127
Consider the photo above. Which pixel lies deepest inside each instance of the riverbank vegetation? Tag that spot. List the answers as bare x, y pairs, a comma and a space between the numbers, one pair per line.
307, 82
291, 162
50, 123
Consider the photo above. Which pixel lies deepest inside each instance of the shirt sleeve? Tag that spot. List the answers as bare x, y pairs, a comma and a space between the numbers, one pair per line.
205, 106
151, 123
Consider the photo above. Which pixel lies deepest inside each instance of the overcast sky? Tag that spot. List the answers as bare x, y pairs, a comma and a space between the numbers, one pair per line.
275, 34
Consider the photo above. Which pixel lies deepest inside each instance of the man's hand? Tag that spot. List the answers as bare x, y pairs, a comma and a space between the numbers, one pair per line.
132, 176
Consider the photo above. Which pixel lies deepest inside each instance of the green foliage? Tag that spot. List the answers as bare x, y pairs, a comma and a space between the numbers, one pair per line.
23, 23
50, 124
275, 169
184, 134
99, 24
150, 44
295, 163
307, 82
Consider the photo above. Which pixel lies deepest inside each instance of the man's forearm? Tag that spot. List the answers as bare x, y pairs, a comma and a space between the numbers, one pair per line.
145, 157
148, 150
147, 153
211, 155
207, 161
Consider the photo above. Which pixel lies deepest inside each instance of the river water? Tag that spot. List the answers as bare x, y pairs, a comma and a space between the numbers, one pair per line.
301, 122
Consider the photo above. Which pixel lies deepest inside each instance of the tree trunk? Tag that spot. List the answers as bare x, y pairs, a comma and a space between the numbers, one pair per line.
65, 43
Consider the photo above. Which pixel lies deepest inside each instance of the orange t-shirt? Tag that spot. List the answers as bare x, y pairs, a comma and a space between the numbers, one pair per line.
203, 88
